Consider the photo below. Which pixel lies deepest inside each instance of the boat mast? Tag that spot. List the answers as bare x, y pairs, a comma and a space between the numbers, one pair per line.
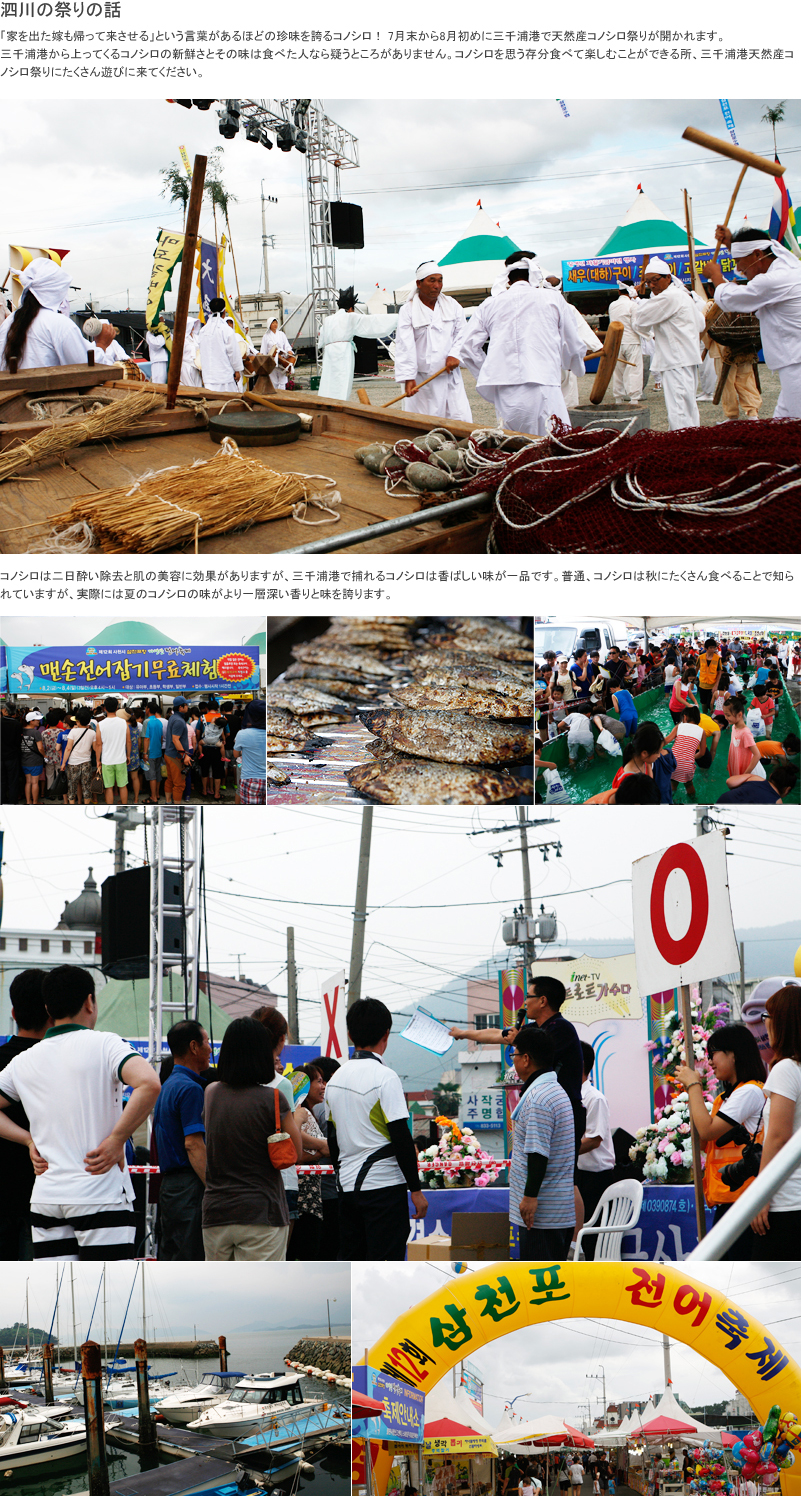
105, 1336
58, 1335
74, 1326
27, 1323
144, 1306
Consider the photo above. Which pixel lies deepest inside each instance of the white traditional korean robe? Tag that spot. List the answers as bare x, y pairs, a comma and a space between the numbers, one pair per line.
190, 373
426, 337
627, 378
532, 338
592, 344
676, 323
272, 344
775, 298
51, 340
339, 351
220, 355
157, 348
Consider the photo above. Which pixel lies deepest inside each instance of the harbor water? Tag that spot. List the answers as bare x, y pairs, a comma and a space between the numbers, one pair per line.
248, 1351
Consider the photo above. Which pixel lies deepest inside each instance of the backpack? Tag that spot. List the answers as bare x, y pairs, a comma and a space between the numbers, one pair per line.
213, 733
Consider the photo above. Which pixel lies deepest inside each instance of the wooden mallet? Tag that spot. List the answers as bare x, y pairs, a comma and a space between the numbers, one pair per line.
734, 153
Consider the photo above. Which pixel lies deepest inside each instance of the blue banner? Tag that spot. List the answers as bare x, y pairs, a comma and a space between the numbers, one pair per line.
403, 1418
209, 275
132, 670
725, 110
603, 274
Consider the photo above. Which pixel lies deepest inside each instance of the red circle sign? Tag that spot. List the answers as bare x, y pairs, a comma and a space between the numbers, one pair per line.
235, 666
686, 858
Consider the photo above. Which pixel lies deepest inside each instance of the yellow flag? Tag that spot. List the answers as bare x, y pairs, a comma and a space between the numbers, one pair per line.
185, 159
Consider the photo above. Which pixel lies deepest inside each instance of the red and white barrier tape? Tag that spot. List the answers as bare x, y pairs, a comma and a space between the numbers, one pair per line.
301, 1168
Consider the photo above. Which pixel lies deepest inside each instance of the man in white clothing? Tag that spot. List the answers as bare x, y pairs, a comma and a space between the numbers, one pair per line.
275, 344
596, 1158
592, 344
101, 336
339, 350
627, 378
676, 323
40, 336
220, 351
157, 350
773, 293
431, 327
531, 337
190, 358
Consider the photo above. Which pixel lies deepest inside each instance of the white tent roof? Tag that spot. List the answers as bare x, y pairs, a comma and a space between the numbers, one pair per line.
669, 1407
643, 208
440, 1403
470, 275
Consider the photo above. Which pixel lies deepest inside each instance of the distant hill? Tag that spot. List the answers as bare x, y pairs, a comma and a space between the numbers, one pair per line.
17, 1334
296, 1324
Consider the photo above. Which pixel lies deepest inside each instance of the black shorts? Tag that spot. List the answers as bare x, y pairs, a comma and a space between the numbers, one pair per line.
211, 763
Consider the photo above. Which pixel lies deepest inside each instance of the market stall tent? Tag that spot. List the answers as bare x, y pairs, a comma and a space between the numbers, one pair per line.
472, 264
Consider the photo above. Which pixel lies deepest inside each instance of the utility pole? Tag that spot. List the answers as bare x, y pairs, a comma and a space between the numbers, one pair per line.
264, 241
593, 1376
291, 985
521, 816
666, 1357
360, 911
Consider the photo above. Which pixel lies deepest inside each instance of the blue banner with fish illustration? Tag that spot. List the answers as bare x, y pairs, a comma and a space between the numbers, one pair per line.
95, 668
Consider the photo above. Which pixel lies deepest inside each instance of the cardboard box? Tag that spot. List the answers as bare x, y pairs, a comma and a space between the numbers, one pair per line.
430, 1249
479, 1236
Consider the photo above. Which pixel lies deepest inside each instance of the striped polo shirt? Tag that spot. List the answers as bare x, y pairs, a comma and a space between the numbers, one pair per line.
544, 1124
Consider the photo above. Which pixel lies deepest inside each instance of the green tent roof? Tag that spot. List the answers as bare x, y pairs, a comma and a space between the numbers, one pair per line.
131, 633
479, 247
123, 1008
647, 234
258, 641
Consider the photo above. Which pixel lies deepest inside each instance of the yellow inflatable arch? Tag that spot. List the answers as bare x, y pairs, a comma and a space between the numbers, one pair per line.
471, 1310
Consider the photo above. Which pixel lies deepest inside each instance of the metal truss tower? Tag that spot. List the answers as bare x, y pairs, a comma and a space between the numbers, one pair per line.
175, 872
329, 148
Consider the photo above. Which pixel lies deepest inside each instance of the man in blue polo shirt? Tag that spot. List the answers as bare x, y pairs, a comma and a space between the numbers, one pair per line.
181, 1143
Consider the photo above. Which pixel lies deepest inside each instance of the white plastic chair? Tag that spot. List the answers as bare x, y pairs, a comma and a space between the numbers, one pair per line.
617, 1212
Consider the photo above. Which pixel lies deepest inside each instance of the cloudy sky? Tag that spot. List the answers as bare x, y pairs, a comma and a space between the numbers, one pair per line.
555, 1364
41, 630
182, 1296
555, 184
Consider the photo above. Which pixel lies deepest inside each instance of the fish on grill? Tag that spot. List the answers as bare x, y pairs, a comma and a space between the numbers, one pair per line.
451, 737
502, 646
338, 657
298, 699
479, 678
276, 775
319, 673
283, 732
346, 690
441, 659
398, 780
388, 620
322, 719
454, 698
490, 628
377, 637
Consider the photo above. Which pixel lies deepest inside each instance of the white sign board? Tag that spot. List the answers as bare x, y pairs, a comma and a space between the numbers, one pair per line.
333, 1018
683, 930
482, 1109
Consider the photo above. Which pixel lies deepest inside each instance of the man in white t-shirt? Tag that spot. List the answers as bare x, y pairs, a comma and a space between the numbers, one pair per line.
370, 1144
596, 1160
71, 1087
113, 749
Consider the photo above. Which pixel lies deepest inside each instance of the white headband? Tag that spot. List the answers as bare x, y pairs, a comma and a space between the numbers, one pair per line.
656, 266
428, 267
744, 247
629, 290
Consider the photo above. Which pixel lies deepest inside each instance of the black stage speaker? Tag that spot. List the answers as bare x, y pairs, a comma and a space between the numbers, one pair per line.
125, 922
347, 226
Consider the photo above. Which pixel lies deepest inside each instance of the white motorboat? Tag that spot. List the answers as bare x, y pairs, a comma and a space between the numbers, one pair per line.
30, 1437
183, 1404
253, 1403
120, 1391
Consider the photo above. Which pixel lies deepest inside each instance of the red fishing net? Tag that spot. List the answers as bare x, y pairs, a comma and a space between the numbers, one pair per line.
735, 486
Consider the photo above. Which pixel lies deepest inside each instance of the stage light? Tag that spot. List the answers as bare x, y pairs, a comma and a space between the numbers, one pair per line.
266, 141
229, 119
285, 136
253, 130
302, 141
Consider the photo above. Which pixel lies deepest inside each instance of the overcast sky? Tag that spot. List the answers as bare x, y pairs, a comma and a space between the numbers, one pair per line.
436, 896
557, 185
36, 631
554, 1363
181, 1295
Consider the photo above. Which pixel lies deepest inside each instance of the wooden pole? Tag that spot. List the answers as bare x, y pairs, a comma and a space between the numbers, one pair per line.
233, 258
185, 283
92, 1373
689, 1059
734, 152
417, 387
47, 1368
147, 1427
223, 1353
688, 219
729, 212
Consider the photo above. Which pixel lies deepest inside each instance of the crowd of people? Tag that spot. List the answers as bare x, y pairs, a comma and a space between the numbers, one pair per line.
527, 1475
248, 1163
718, 693
90, 755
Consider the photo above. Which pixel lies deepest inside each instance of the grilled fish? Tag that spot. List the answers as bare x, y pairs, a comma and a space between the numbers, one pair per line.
338, 657
346, 690
320, 673
498, 645
276, 775
322, 719
281, 724
450, 697
298, 699
451, 737
490, 628
479, 678
389, 619
441, 659
398, 780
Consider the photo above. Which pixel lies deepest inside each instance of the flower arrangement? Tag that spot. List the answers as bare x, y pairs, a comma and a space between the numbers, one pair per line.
664, 1148
457, 1159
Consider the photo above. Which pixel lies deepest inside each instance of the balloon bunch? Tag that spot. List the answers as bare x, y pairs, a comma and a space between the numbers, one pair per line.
761, 1454
710, 1473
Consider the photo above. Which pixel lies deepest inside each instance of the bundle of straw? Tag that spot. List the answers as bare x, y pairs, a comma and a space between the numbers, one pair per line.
162, 511
49, 445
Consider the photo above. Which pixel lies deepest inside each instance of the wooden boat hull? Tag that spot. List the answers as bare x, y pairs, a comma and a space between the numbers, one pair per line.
168, 438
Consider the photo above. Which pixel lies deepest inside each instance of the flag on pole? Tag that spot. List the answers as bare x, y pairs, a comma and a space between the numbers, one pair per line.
564, 108
782, 217
186, 161
728, 117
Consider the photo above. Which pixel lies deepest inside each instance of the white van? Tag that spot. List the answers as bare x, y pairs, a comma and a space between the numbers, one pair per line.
565, 635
